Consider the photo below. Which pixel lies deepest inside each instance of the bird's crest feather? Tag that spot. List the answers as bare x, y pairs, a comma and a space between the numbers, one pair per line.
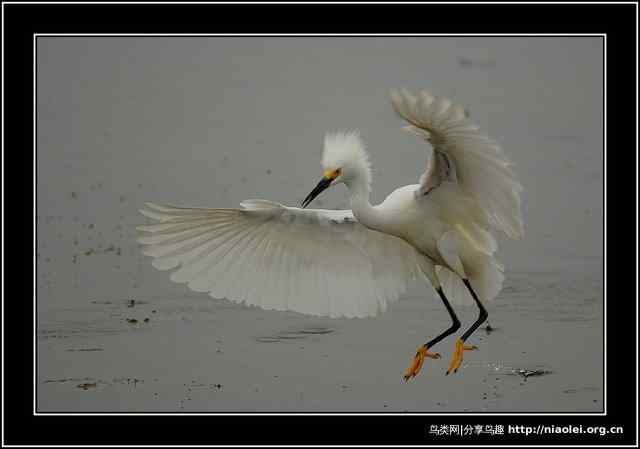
347, 151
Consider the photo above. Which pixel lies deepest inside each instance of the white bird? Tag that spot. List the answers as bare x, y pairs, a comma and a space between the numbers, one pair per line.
354, 263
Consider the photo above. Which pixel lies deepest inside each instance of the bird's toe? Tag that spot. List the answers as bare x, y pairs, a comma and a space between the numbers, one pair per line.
418, 361
457, 358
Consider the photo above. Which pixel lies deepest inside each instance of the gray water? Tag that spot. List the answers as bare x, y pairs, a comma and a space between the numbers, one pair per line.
214, 121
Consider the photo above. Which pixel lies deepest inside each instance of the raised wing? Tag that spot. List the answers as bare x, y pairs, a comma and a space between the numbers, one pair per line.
318, 262
462, 154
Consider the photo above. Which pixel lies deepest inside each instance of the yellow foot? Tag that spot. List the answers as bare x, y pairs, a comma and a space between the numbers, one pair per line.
457, 355
418, 360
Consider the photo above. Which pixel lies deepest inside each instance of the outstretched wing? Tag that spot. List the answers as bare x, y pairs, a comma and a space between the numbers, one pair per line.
318, 262
462, 154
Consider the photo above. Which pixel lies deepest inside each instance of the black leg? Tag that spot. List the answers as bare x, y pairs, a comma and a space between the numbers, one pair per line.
481, 317
455, 325
423, 350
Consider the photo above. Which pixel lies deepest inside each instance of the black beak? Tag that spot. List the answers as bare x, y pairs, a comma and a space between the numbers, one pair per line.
322, 185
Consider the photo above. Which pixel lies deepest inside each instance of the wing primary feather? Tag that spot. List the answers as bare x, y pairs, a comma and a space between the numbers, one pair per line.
311, 261
221, 271
173, 250
257, 285
213, 257
242, 262
204, 266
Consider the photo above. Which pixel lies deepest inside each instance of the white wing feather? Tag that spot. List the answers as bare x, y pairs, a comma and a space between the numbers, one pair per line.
317, 262
464, 155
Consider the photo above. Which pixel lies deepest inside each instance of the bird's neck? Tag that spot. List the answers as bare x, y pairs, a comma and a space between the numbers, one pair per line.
362, 209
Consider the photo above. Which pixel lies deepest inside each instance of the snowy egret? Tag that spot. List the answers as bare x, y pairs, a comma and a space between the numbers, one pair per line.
353, 263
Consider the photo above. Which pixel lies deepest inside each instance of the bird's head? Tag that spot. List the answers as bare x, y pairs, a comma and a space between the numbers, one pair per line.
344, 160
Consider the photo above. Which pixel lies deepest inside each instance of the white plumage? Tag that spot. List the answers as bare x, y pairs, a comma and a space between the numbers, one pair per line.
354, 263
318, 262
346, 151
462, 154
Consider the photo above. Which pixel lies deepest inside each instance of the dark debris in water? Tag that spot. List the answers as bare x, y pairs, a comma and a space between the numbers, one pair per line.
290, 336
267, 339
127, 302
98, 250
86, 383
526, 373
533, 371
195, 385
128, 381
136, 321
298, 334
68, 379
84, 349
316, 330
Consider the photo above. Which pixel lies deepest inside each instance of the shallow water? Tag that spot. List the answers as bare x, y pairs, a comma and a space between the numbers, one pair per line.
204, 355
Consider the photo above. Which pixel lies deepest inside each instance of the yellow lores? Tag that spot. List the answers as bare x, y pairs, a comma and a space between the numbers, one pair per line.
331, 174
